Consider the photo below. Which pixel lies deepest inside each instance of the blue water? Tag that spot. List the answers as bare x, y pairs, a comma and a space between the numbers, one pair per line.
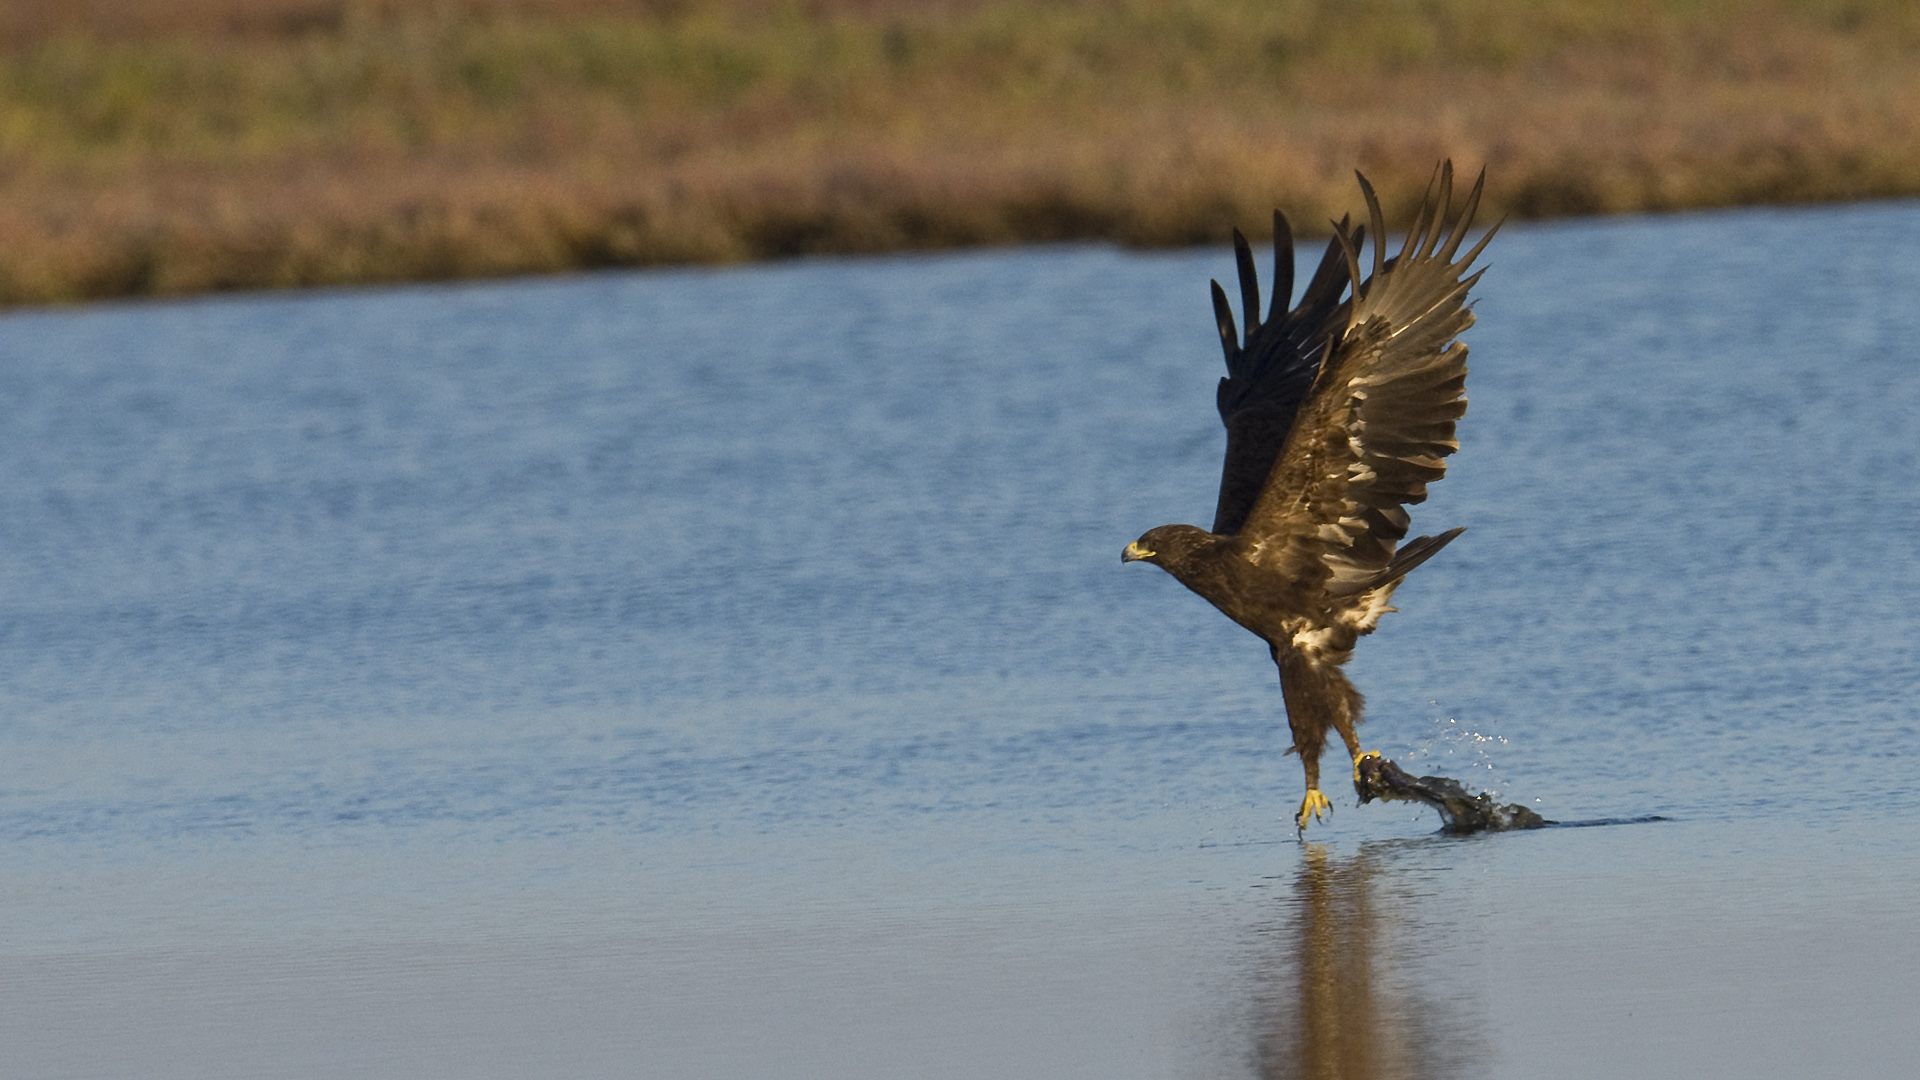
734, 670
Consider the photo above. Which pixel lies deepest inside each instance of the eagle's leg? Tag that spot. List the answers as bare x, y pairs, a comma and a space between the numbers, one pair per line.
1308, 718
1346, 718
1317, 695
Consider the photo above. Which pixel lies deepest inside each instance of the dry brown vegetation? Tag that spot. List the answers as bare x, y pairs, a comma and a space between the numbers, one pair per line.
150, 147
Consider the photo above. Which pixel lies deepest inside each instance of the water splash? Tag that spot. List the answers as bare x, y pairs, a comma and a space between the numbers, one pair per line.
1458, 751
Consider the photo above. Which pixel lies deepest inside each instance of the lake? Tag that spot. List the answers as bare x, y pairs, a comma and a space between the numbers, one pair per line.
731, 673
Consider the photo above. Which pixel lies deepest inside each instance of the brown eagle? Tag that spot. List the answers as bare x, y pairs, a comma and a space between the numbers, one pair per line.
1339, 413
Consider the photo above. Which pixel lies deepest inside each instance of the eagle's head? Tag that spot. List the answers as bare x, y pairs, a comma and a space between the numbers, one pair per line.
1167, 547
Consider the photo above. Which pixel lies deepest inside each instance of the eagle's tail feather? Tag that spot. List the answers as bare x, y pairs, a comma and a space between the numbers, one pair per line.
1412, 554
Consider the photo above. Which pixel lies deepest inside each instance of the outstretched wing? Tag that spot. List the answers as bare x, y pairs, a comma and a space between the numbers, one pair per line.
1270, 375
1378, 422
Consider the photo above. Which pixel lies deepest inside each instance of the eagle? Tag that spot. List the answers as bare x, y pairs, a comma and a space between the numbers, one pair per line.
1339, 413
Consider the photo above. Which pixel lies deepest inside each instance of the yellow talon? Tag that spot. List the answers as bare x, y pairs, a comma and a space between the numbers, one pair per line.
1311, 806
1357, 759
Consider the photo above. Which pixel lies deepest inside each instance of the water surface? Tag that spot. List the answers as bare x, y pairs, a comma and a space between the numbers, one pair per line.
731, 673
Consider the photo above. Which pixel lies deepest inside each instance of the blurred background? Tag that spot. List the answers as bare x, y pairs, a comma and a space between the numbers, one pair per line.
177, 146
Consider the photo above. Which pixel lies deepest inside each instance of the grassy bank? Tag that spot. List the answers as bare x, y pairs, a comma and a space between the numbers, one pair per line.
148, 147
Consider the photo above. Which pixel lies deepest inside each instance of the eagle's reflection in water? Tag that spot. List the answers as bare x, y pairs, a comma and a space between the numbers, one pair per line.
1354, 994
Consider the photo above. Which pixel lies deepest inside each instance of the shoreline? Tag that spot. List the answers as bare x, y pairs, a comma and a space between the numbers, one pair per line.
365, 143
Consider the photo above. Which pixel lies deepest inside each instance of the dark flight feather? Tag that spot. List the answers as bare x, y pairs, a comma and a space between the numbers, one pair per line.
1270, 374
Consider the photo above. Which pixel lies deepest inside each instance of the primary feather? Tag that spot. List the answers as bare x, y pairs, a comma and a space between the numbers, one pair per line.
1270, 374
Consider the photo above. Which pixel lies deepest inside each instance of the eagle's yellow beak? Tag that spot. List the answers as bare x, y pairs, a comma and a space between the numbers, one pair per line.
1135, 553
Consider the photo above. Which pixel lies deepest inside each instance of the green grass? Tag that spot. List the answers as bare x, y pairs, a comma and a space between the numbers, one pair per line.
247, 143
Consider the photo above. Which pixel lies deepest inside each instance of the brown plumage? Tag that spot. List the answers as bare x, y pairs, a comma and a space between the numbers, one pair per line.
1339, 413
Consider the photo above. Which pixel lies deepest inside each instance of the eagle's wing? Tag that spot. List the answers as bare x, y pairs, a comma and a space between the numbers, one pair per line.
1378, 422
1270, 375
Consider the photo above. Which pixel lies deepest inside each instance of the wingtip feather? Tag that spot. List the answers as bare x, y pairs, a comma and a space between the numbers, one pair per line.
1423, 218
1282, 266
1347, 249
1378, 221
1249, 283
1223, 316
